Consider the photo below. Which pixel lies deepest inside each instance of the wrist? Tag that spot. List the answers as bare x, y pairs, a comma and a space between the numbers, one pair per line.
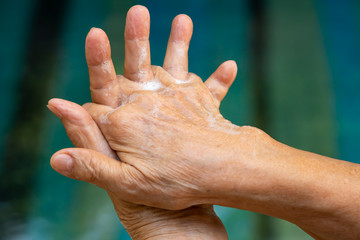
314, 192
143, 222
260, 175
243, 174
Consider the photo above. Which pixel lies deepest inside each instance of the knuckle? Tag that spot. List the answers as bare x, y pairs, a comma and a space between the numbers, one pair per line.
195, 78
87, 105
123, 122
156, 69
90, 167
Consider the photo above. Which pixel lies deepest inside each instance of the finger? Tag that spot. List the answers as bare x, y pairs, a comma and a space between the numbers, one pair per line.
80, 127
103, 82
91, 166
220, 81
176, 58
137, 66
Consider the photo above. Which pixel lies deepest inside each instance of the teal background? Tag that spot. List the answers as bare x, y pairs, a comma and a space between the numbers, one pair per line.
298, 79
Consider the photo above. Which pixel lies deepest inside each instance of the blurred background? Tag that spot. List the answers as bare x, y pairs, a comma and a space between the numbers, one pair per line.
299, 80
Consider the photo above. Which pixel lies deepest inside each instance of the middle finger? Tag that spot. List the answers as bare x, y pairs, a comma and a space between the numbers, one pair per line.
137, 66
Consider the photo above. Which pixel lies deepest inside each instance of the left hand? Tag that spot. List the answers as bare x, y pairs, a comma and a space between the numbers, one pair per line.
140, 221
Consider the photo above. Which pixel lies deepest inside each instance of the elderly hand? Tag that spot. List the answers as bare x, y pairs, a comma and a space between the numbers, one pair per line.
163, 124
142, 222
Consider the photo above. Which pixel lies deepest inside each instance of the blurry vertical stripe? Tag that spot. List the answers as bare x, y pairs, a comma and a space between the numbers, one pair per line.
341, 30
23, 143
263, 224
299, 82
14, 33
258, 45
298, 85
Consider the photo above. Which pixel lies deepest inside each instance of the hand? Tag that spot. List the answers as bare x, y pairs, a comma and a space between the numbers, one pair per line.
167, 129
140, 221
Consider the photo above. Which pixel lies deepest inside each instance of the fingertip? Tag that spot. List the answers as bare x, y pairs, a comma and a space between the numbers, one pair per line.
85, 165
231, 64
226, 72
232, 67
183, 19
55, 105
62, 162
94, 32
69, 112
66, 161
138, 10
181, 28
97, 47
55, 101
137, 22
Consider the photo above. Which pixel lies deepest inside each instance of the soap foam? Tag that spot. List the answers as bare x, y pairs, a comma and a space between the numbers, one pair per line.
178, 81
107, 67
142, 57
153, 85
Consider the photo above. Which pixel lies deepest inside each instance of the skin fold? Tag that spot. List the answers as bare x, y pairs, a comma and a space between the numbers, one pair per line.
155, 137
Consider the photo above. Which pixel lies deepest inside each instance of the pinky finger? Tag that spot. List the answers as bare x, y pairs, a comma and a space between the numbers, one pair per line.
220, 81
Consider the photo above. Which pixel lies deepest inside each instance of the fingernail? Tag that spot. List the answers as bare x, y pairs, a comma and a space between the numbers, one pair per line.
54, 110
62, 163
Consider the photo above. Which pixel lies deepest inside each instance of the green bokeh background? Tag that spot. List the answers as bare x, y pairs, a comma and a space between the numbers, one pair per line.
298, 79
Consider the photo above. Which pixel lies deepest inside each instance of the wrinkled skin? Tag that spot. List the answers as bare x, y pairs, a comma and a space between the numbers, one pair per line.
143, 222
166, 140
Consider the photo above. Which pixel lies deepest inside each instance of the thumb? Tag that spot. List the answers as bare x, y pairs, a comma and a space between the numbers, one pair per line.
90, 166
